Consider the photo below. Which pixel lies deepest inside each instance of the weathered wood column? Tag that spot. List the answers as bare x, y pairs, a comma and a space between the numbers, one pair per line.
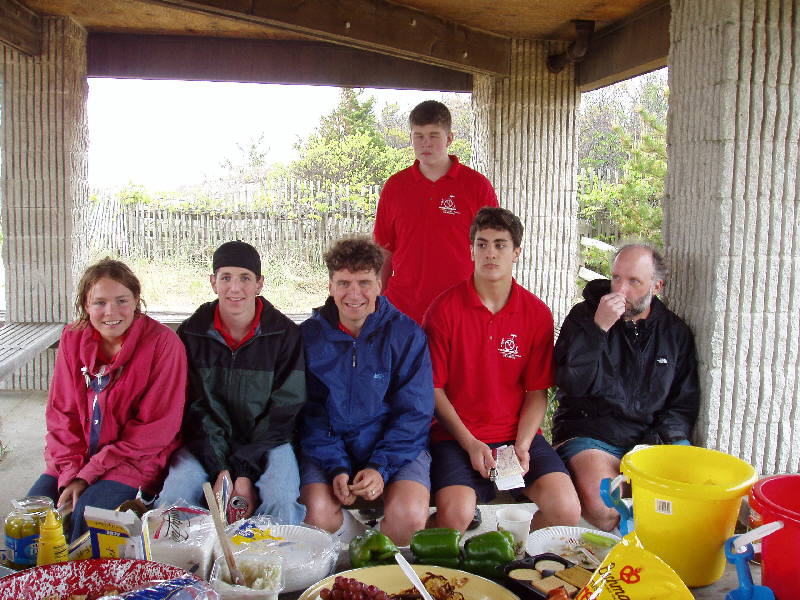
524, 142
731, 219
44, 175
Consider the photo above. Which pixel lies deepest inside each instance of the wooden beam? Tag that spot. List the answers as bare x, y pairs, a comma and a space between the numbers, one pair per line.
260, 61
632, 46
373, 25
20, 27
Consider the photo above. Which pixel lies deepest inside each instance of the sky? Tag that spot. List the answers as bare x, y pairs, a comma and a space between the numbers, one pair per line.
164, 134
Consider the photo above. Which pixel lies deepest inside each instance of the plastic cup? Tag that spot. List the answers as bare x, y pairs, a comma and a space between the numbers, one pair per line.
517, 521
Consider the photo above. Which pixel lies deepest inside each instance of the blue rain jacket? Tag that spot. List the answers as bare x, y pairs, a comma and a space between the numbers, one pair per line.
370, 399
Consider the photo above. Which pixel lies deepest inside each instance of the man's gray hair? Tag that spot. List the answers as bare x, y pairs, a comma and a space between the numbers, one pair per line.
660, 271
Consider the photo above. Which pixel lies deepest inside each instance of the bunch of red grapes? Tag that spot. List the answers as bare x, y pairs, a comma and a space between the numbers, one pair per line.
345, 588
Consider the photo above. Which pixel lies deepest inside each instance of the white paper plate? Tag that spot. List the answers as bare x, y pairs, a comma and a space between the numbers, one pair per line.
551, 539
309, 554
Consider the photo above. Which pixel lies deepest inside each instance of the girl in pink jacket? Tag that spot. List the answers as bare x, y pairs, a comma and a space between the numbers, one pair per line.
116, 400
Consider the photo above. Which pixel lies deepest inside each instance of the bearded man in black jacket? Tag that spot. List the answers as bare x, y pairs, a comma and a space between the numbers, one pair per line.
626, 373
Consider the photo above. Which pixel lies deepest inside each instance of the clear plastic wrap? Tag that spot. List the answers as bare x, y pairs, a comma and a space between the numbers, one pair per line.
180, 588
308, 554
262, 570
182, 536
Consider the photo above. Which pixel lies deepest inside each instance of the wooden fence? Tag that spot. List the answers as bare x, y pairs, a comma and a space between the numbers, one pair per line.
302, 219
284, 216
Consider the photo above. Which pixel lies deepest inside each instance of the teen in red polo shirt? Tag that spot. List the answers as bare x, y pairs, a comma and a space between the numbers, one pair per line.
491, 345
424, 215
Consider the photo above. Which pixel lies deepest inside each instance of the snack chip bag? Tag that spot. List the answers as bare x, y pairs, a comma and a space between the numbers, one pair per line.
631, 572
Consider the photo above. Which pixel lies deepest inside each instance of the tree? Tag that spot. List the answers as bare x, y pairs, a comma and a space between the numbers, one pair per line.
251, 163
347, 146
615, 106
634, 205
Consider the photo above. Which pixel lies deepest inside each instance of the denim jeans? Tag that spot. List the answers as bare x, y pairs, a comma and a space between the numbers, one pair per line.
101, 494
278, 487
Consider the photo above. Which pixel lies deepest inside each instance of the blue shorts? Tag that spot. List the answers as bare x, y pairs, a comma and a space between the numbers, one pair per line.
566, 450
451, 466
418, 470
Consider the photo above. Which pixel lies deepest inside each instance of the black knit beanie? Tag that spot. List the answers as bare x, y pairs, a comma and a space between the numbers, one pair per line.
237, 254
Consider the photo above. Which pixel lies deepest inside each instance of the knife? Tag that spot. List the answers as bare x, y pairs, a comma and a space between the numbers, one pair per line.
412, 575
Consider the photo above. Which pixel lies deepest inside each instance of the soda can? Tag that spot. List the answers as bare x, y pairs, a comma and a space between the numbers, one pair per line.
237, 508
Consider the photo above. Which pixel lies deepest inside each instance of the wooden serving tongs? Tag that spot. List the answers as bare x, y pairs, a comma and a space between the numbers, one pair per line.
219, 524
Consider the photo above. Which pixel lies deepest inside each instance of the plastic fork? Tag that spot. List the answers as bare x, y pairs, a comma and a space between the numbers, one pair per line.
593, 560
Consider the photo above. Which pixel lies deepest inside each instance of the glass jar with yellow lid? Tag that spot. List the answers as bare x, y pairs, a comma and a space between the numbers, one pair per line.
22, 530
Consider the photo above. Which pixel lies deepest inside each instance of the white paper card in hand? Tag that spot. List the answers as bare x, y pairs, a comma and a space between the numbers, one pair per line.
507, 475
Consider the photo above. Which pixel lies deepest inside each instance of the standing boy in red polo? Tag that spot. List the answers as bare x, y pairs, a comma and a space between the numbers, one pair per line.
424, 214
491, 345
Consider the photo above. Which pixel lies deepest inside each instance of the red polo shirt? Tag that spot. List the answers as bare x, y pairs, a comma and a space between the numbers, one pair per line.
485, 363
425, 225
232, 343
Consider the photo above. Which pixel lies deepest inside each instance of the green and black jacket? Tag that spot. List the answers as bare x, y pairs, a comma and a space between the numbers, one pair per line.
241, 403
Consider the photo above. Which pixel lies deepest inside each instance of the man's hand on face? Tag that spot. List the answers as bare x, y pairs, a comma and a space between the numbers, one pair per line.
341, 490
610, 309
480, 456
368, 484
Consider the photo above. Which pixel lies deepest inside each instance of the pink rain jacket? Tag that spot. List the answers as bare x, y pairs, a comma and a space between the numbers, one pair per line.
142, 407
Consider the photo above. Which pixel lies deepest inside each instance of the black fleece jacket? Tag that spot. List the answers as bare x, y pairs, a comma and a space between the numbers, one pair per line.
241, 403
636, 383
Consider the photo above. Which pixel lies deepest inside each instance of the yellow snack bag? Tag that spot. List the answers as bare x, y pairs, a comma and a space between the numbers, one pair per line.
629, 572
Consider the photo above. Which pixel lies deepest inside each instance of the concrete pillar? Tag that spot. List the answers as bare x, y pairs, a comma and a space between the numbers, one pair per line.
731, 225
524, 142
44, 176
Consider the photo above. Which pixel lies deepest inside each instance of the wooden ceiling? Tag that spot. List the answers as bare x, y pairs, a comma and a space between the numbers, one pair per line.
463, 37
526, 19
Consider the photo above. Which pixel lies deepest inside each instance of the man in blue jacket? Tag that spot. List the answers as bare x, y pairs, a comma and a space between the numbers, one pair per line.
364, 429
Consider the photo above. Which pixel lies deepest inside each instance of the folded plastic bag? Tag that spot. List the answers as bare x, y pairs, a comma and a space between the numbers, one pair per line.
631, 572
180, 588
181, 535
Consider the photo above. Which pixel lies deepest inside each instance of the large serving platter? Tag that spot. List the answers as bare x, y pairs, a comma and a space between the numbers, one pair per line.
81, 577
391, 580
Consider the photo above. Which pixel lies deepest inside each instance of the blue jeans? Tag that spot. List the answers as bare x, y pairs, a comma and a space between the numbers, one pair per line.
278, 487
102, 494
566, 450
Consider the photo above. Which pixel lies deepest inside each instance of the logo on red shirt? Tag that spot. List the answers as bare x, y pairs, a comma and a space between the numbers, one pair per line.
508, 347
448, 205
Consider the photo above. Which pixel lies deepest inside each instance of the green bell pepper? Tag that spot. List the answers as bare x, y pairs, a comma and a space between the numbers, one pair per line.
484, 553
370, 549
436, 543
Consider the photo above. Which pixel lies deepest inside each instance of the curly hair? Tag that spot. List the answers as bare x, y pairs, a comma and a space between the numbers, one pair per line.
354, 253
110, 269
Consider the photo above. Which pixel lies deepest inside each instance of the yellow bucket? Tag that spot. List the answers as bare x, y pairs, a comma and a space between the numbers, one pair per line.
686, 500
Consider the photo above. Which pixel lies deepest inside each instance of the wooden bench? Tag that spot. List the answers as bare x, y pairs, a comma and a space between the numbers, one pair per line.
21, 342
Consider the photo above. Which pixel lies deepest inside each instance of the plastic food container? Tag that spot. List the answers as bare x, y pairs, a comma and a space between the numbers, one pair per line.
521, 575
